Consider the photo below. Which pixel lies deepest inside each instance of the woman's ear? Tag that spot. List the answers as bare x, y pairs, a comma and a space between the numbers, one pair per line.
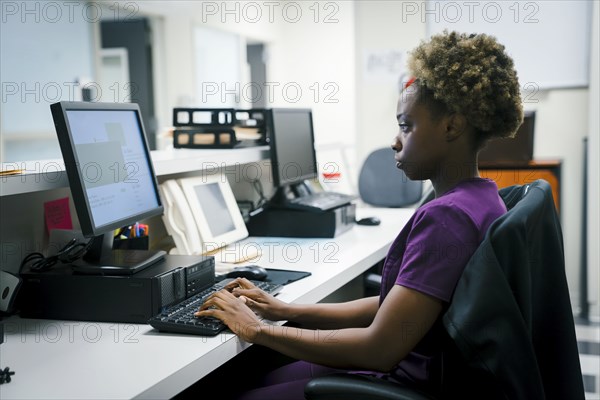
456, 126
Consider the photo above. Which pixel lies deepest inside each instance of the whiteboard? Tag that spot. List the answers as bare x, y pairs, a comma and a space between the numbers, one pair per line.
549, 40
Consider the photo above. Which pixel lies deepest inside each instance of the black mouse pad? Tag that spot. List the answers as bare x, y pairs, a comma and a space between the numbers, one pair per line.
278, 276
283, 276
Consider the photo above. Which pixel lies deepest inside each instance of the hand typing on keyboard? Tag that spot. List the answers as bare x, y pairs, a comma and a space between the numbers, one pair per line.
264, 304
181, 317
239, 305
233, 312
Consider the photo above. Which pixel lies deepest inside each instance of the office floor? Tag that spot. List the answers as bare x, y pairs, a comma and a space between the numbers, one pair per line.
588, 341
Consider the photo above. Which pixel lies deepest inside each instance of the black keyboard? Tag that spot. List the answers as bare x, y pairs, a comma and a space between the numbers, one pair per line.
321, 201
179, 318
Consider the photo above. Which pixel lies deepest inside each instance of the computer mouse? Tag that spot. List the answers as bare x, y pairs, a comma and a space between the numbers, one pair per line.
251, 272
369, 221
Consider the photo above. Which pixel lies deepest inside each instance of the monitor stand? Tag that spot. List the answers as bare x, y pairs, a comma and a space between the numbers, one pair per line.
101, 259
285, 193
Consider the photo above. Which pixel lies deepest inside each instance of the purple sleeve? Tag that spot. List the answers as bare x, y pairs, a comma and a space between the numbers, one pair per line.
439, 245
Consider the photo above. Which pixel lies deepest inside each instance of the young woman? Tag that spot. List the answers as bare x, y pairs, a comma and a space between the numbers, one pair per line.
464, 91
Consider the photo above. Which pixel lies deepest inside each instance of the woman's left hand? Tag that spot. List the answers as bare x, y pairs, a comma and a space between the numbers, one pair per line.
234, 312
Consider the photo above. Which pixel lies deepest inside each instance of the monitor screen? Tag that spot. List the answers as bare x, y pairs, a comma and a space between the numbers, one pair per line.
292, 146
111, 178
108, 164
218, 217
518, 149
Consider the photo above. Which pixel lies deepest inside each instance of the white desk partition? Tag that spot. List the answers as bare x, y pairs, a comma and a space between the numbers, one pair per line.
88, 360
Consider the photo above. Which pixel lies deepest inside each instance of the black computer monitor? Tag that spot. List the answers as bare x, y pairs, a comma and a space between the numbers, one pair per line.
293, 158
112, 179
516, 150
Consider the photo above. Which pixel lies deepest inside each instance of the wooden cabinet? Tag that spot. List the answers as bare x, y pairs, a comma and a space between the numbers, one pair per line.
508, 174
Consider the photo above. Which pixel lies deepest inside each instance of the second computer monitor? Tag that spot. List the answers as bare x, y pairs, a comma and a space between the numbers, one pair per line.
293, 156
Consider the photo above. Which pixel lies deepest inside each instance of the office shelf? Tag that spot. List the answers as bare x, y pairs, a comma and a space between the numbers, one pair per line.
175, 161
43, 175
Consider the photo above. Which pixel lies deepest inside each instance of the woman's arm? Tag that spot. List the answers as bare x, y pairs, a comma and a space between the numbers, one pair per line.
401, 322
351, 314
357, 313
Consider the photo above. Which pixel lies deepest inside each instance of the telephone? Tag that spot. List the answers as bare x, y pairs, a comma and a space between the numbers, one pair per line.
202, 216
179, 220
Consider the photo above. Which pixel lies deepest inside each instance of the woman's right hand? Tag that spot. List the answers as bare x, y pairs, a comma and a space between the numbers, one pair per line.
259, 301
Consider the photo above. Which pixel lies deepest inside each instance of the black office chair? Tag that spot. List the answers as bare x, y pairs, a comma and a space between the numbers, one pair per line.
510, 328
381, 184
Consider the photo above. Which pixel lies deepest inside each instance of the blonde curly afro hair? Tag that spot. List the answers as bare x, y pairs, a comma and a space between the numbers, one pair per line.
471, 75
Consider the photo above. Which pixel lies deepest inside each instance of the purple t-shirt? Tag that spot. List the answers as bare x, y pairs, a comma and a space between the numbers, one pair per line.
429, 256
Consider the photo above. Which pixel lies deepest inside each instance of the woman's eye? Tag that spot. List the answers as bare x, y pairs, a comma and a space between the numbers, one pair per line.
404, 127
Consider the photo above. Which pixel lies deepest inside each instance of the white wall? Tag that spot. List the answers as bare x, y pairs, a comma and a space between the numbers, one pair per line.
379, 28
310, 57
173, 22
560, 137
317, 58
593, 256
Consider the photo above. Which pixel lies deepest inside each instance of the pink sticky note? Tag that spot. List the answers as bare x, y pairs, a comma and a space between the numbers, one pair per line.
58, 214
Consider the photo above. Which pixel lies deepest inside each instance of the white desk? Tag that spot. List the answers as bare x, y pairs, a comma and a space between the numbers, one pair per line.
84, 360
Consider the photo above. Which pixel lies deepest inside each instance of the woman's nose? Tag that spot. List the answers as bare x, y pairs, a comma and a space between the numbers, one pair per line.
396, 144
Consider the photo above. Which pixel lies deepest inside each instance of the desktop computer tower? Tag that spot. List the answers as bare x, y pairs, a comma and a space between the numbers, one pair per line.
60, 293
286, 222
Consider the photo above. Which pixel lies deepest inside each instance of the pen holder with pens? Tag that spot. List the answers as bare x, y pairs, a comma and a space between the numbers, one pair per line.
134, 237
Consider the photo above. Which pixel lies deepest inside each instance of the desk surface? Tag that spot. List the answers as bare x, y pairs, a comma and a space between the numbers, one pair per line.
82, 360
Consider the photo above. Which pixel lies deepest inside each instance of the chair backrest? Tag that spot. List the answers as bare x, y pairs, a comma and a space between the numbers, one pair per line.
510, 316
381, 184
